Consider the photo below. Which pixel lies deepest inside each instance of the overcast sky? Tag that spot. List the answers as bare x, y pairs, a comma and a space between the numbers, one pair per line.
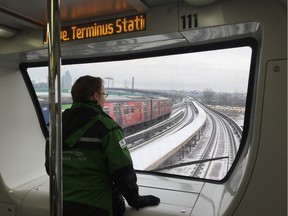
221, 70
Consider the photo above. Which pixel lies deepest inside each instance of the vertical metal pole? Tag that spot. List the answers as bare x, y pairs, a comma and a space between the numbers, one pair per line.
55, 121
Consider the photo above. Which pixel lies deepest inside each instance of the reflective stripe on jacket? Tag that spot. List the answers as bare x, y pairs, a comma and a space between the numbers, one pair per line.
93, 150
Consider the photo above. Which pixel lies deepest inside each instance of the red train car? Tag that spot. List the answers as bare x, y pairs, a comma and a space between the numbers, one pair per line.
131, 113
162, 107
127, 111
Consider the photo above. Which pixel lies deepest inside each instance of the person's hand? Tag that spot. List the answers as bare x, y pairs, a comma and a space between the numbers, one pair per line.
143, 201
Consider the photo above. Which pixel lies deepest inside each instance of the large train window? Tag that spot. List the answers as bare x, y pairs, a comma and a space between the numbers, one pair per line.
204, 93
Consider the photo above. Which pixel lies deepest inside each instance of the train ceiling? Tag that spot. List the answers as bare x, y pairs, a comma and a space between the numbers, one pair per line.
17, 15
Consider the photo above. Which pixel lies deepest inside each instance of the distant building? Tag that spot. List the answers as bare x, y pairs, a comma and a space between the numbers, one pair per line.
66, 81
40, 86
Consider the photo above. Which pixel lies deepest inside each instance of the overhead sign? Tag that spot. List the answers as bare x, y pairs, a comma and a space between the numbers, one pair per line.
102, 28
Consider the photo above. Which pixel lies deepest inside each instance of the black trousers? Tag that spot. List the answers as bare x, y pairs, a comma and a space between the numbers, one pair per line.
78, 209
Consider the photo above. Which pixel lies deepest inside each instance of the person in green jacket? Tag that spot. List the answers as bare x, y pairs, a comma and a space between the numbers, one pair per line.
97, 166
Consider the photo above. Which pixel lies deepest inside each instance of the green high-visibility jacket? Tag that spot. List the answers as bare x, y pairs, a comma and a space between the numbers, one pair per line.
95, 156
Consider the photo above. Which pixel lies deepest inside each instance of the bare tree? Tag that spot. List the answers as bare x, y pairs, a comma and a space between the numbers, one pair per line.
208, 96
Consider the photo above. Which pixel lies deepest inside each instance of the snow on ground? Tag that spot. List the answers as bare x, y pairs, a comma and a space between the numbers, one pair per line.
152, 155
212, 170
145, 158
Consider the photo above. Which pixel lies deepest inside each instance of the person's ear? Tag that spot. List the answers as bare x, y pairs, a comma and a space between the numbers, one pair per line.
96, 97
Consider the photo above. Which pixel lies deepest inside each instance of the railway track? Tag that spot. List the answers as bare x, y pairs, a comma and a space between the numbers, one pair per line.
223, 144
214, 153
176, 121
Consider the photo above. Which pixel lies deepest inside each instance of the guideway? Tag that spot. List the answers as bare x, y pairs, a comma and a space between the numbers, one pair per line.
151, 156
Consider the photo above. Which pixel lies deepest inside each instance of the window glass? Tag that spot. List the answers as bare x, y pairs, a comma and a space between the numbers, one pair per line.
126, 109
195, 130
106, 110
131, 108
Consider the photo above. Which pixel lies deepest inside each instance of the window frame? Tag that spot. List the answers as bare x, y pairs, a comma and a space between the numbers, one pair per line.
251, 91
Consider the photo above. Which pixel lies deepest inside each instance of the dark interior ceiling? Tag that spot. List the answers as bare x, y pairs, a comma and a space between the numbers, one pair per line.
33, 13
19, 15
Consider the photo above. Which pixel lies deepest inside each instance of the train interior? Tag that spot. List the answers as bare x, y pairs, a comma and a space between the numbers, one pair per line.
180, 52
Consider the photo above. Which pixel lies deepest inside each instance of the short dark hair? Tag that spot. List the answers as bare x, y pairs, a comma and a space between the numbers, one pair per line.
85, 87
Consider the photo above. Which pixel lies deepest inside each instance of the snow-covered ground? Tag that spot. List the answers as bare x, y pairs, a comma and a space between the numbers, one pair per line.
166, 152
152, 155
